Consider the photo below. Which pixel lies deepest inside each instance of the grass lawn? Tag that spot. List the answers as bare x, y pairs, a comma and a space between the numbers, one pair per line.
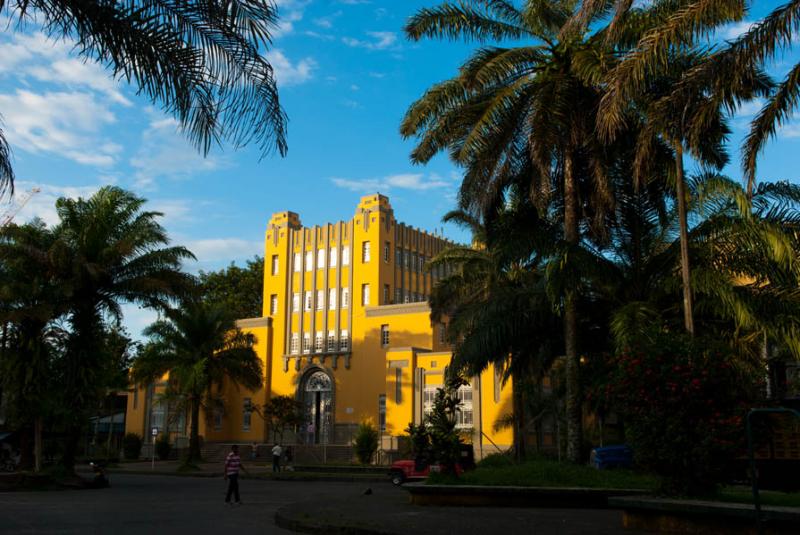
548, 473
768, 497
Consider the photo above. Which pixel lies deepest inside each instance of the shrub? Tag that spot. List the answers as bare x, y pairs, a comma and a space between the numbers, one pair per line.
163, 448
496, 460
683, 402
366, 442
132, 446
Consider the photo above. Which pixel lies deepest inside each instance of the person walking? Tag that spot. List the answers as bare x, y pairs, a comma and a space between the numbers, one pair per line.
276, 457
232, 465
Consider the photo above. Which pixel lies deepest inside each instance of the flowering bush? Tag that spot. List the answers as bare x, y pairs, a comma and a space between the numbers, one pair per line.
683, 402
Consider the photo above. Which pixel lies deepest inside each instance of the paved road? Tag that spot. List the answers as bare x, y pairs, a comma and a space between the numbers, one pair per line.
161, 504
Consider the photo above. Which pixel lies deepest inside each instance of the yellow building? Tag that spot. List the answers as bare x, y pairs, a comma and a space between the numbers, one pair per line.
346, 329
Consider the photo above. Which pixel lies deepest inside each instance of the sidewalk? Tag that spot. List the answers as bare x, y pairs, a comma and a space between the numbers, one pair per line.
386, 511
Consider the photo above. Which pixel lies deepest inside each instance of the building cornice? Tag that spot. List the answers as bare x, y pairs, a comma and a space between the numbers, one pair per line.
252, 323
402, 308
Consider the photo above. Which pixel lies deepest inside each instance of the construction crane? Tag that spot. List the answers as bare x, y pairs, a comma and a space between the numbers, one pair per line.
7, 216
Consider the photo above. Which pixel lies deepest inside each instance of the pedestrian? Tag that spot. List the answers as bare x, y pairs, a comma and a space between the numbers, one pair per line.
276, 457
232, 465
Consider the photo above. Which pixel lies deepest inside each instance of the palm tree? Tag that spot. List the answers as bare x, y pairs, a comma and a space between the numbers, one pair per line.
29, 303
526, 111
199, 347
108, 251
200, 61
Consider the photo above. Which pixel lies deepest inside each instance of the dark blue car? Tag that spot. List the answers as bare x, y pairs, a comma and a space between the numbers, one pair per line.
620, 456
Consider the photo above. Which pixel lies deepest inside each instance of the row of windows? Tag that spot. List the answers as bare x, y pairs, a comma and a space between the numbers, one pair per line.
333, 259
247, 416
463, 413
342, 344
320, 302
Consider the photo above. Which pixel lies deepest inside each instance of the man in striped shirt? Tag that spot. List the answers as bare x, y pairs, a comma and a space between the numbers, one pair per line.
232, 465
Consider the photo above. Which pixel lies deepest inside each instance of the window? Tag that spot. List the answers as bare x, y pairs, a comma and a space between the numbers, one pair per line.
385, 335
464, 411
273, 304
306, 343
399, 257
333, 256
318, 342
217, 420
365, 252
422, 264
415, 262
346, 256
398, 385
309, 299
386, 251
275, 264
428, 398
247, 414
294, 346
320, 299
442, 333
408, 259
386, 294
321, 259
332, 299
309, 260
345, 297
398, 295
382, 413
297, 264
344, 341
365, 294
331, 340
407, 297
295, 302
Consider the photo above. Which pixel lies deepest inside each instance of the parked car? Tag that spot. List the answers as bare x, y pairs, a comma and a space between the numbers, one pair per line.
618, 456
409, 470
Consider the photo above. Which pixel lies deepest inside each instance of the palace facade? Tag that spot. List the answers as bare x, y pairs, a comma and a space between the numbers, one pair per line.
346, 330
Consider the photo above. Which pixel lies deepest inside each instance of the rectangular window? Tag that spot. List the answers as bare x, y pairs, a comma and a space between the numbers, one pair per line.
331, 340
365, 294
275, 264
344, 341
428, 398
309, 260
306, 343
408, 259
464, 412
318, 340
332, 299
346, 256
217, 420
385, 335
294, 346
333, 256
345, 297
365, 252
247, 413
415, 262
398, 385
399, 257
442, 333
386, 251
398, 295
407, 297
297, 264
422, 264
295, 302
382, 413
273, 304
320, 299
386, 294
309, 301
321, 259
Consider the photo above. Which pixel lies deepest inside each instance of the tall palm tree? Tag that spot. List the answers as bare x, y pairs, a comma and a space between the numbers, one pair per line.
199, 347
202, 62
108, 251
523, 111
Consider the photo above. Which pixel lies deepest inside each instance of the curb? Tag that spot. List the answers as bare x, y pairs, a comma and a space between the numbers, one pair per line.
287, 520
310, 477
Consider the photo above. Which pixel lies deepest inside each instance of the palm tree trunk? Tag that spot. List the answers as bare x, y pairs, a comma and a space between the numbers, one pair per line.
110, 427
194, 433
573, 386
519, 417
680, 188
37, 444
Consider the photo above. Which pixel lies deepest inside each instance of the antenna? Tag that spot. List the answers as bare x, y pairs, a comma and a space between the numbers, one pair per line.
8, 215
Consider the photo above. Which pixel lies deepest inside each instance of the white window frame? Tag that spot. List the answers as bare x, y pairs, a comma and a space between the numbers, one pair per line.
309, 260
344, 341
333, 258
319, 341
306, 342
332, 299
331, 341
296, 302
365, 294
385, 335
273, 304
298, 262
320, 299
345, 297
346, 255
321, 259
309, 302
276, 262
294, 344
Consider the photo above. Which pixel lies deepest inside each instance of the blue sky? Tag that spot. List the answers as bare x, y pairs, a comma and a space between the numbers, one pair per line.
346, 77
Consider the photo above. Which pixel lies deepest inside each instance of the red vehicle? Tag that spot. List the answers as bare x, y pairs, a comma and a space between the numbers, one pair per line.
407, 470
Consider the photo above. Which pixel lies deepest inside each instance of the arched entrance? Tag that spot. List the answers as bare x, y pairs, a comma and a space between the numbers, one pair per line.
317, 397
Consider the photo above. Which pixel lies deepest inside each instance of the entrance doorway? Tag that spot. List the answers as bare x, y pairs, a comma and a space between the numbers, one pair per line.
318, 404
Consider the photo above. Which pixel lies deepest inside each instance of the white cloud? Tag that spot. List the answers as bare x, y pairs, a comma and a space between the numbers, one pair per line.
750, 108
63, 123
380, 41
287, 73
735, 30
225, 250
789, 131
289, 12
354, 87
164, 152
327, 21
317, 35
136, 319
409, 181
354, 2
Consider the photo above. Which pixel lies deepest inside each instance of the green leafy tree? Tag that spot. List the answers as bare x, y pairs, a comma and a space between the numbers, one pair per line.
238, 289
200, 348
282, 413
365, 442
108, 251
201, 62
